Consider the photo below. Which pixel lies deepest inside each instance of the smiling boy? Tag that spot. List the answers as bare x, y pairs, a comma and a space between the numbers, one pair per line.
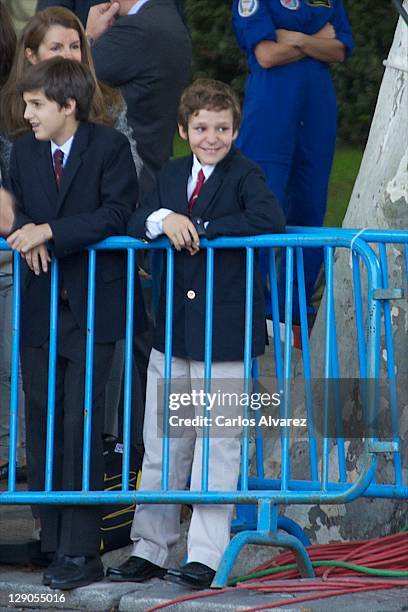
214, 192
74, 183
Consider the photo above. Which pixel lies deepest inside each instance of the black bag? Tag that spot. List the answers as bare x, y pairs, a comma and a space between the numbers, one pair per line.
117, 518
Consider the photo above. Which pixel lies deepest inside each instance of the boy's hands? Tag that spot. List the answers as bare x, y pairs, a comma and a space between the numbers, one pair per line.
29, 236
181, 232
38, 259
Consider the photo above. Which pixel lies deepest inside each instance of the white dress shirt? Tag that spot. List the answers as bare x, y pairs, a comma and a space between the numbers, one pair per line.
154, 222
137, 6
65, 148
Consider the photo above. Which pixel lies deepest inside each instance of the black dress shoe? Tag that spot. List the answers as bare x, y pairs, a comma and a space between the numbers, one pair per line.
53, 567
194, 574
135, 569
75, 572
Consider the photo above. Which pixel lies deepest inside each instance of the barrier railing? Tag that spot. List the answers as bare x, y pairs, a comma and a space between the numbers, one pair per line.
396, 486
320, 487
382, 241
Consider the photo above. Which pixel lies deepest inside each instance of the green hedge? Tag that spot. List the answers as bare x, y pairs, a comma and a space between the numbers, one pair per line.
357, 82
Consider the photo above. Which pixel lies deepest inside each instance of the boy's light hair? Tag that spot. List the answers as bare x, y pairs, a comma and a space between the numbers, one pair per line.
208, 94
61, 79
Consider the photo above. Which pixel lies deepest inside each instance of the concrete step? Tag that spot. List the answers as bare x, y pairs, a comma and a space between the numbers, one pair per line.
23, 590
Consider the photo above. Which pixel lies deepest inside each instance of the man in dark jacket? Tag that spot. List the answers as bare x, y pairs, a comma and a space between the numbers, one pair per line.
81, 7
146, 52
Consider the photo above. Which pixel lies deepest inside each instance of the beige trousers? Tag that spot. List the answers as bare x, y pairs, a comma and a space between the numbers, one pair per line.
156, 527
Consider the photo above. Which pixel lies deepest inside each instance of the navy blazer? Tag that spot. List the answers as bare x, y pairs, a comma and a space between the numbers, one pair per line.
98, 192
236, 201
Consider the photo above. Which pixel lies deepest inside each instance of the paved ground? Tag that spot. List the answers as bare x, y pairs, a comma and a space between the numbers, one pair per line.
25, 586
21, 587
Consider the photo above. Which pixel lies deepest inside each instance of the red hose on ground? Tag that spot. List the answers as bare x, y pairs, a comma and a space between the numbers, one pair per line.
290, 602
389, 553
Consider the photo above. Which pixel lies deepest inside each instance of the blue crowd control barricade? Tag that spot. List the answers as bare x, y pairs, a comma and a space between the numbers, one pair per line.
324, 432
391, 250
390, 480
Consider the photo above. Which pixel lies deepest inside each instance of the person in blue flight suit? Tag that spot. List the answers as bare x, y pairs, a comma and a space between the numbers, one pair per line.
290, 114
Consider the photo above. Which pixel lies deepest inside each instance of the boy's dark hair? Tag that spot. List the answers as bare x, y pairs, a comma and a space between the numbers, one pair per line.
208, 94
61, 79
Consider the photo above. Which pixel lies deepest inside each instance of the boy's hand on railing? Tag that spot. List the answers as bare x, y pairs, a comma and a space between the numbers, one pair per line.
181, 233
38, 259
29, 236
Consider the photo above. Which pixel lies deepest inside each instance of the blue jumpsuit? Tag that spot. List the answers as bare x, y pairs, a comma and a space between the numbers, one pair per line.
290, 114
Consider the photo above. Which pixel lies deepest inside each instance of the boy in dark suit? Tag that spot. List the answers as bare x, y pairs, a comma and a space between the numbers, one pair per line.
214, 192
75, 184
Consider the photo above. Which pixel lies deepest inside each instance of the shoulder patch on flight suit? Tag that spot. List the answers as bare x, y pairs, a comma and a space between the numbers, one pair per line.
246, 8
292, 5
323, 3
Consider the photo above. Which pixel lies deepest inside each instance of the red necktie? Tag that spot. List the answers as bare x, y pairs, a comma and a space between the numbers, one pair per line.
197, 189
58, 158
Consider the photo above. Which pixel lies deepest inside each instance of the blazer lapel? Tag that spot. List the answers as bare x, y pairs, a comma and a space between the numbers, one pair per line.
46, 172
74, 162
180, 186
207, 193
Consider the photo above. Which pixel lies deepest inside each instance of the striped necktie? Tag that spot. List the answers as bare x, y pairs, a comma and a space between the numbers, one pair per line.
58, 158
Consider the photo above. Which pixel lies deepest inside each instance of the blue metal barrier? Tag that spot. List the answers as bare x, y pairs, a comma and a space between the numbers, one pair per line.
378, 240
266, 494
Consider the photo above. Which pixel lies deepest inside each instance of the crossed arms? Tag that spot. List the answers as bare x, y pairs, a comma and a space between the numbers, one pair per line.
293, 46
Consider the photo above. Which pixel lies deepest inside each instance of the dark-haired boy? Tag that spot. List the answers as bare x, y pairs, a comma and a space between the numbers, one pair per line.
214, 192
75, 183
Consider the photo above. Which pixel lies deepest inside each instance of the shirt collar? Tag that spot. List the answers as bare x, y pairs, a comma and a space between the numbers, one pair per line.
137, 6
208, 170
65, 148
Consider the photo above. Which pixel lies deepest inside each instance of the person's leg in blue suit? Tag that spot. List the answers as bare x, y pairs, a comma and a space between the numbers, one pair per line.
306, 193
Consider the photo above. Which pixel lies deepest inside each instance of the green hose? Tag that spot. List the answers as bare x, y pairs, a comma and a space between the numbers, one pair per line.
358, 568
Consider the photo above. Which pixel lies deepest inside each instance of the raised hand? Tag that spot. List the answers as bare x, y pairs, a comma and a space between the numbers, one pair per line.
100, 18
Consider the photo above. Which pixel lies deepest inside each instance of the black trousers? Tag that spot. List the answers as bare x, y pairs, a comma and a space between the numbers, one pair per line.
72, 530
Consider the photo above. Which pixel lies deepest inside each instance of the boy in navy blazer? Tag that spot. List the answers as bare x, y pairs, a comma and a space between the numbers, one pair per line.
214, 192
75, 184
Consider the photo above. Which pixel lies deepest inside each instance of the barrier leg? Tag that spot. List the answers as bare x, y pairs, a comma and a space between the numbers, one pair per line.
267, 534
246, 518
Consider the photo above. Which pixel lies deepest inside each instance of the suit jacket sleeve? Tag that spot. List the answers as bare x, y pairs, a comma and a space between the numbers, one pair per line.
120, 53
20, 218
260, 212
118, 194
137, 223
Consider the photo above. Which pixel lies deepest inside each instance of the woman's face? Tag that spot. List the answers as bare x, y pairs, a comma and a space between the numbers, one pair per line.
58, 41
